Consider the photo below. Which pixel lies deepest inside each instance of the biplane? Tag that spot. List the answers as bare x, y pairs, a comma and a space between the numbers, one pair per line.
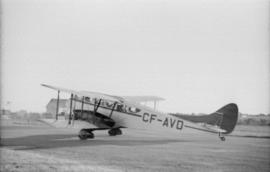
112, 113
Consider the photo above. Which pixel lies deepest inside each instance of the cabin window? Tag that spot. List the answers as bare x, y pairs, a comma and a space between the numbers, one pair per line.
108, 104
102, 103
87, 99
120, 108
123, 108
134, 109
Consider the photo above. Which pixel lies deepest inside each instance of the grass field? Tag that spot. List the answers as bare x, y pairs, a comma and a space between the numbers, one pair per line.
38, 147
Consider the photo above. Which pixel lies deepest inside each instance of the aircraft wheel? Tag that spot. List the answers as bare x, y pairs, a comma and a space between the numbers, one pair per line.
84, 134
119, 132
114, 132
222, 138
90, 135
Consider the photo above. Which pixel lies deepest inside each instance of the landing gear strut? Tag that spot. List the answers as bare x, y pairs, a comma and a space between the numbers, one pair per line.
114, 132
86, 134
222, 138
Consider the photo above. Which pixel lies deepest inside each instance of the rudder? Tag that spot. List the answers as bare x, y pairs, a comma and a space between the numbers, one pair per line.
229, 118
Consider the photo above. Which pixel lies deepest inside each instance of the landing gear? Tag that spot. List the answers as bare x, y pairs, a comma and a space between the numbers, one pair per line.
222, 138
86, 134
114, 132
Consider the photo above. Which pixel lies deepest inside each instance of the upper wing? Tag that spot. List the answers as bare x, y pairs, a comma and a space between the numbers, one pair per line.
142, 98
126, 99
86, 93
61, 89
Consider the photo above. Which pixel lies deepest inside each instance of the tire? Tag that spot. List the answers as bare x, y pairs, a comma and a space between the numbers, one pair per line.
84, 134
90, 135
114, 132
118, 132
222, 138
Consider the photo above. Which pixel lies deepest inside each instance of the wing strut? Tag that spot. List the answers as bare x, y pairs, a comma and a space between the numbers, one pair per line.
74, 106
96, 108
70, 110
57, 106
115, 103
82, 106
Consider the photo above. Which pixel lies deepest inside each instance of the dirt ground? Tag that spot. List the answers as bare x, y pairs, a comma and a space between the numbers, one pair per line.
38, 147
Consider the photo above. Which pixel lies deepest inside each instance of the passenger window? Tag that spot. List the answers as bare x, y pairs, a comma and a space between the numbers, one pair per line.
134, 110
108, 104
87, 99
119, 108
123, 108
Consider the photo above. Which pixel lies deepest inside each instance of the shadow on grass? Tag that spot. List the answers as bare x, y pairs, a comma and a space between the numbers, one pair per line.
251, 136
66, 140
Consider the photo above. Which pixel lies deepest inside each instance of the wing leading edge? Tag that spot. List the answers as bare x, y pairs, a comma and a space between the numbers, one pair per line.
143, 98
86, 93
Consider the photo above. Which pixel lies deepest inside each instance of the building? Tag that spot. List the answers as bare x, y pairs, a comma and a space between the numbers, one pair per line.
63, 106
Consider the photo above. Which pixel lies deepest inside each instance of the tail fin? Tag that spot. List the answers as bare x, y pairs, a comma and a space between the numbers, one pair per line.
228, 117
225, 118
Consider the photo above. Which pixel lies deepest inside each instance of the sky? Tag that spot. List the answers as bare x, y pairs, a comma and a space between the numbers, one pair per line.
197, 54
